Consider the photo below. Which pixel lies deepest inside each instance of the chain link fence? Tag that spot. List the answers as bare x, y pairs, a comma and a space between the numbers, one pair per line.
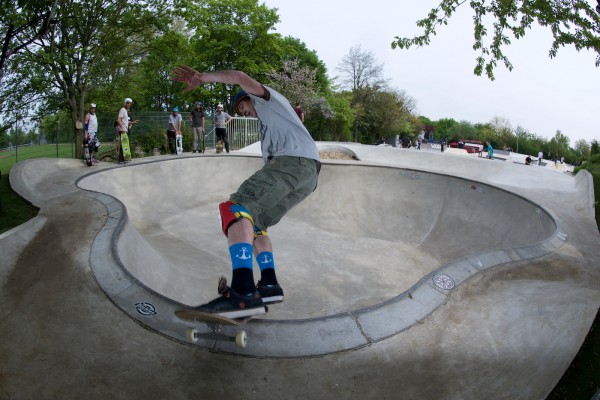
148, 137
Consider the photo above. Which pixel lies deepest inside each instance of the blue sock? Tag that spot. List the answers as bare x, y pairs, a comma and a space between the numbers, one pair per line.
241, 262
266, 262
241, 255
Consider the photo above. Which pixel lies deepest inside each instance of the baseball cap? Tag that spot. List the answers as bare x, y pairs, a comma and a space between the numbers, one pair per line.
242, 95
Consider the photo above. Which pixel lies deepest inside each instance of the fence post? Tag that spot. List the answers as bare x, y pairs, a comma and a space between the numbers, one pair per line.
17, 139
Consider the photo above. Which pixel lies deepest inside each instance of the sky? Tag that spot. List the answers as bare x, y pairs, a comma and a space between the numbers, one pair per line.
540, 94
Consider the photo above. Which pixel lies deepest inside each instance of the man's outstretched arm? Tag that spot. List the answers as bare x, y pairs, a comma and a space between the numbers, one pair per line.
193, 79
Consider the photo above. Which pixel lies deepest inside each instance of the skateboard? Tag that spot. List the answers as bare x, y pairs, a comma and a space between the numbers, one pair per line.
179, 144
86, 155
125, 147
214, 323
204, 135
86, 151
219, 147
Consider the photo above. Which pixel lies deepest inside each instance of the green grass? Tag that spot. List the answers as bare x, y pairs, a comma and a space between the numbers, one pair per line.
13, 209
9, 158
63, 150
580, 381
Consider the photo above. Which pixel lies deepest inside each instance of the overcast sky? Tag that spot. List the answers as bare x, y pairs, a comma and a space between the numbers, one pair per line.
542, 95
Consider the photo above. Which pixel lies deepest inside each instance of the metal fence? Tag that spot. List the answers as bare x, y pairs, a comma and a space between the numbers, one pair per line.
147, 137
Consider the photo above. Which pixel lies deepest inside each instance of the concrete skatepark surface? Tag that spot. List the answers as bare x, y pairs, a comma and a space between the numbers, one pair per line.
413, 273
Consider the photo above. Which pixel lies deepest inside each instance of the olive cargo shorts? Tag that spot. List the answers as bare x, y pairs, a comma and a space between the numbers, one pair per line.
276, 188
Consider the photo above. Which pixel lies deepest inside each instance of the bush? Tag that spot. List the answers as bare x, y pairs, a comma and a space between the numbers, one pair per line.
151, 139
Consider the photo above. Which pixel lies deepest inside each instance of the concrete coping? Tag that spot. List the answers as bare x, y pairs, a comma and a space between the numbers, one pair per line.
294, 338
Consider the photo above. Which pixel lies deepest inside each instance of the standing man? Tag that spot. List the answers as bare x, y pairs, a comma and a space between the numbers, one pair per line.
299, 112
540, 157
221, 121
174, 129
90, 132
289, 175
197, 118
124, 124
490, 150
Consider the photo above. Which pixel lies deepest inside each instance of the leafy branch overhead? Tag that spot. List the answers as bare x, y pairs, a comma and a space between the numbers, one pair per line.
572, 23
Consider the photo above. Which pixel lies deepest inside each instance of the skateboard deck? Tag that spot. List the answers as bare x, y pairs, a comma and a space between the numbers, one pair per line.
86, 155
179, 144
219, 147
125, 147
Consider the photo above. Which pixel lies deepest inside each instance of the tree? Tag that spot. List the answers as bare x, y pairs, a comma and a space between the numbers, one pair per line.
298, 84
461, 130
582, 148
91, 43
594, 148
295, 50
157, 90
360, 70
503, 130
17, 23
232, 34
522, 135
558, 145
572, 23
363, 77
442, 127
428, 127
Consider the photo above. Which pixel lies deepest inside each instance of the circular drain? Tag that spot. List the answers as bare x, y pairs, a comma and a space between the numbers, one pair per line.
443, 282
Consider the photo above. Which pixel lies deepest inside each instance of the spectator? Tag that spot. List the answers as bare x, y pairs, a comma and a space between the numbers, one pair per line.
197, 118
299, 111
221, 121
90, 133
173, 130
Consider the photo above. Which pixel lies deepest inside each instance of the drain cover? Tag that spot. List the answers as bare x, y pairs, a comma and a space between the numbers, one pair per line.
443, 282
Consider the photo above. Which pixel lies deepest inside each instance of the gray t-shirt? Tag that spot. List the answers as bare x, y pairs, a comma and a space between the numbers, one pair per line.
281, 131
220, 119
174, 121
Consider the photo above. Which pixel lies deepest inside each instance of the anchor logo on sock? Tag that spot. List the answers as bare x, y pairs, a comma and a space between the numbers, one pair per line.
266, 259
243, 254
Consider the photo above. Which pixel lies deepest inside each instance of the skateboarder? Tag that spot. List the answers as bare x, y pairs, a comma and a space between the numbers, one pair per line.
289, 175
89, 135
197, 118
221, 120
124, 124
174, 130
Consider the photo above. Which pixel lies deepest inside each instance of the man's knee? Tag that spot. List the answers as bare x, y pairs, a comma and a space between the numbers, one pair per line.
259, 232
230, 212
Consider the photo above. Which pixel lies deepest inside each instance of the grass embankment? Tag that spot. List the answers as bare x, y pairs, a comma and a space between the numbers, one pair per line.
13, 209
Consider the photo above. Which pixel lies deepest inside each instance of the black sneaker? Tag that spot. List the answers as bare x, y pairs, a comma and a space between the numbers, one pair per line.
234, 305
271, 294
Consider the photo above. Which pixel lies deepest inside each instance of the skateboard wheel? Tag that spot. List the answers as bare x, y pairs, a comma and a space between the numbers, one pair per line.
241, 339
191, 335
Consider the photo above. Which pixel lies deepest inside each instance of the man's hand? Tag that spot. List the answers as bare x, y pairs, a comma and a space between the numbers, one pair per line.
189, 76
